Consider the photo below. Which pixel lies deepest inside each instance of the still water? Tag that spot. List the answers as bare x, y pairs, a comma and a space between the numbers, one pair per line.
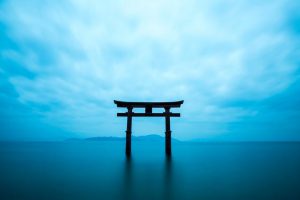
100, 170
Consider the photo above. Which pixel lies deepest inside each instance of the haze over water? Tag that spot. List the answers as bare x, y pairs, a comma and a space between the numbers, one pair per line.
100, 170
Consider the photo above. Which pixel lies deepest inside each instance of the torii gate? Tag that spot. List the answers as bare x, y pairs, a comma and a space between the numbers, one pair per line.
148, 113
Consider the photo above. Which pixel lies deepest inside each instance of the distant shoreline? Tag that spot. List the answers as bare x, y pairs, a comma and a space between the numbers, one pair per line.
148, 138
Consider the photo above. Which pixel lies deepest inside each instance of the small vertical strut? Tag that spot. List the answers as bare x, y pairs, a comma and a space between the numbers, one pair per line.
128, 132
168, 132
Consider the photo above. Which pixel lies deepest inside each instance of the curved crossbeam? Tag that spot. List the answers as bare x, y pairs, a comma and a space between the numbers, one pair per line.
171, 104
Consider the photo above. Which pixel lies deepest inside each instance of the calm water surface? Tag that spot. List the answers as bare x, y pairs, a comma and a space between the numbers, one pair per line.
100, 170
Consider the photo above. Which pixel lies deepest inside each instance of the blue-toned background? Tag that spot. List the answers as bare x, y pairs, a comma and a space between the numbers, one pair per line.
236, 65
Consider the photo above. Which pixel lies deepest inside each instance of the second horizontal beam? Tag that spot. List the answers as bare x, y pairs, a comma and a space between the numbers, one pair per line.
148, 114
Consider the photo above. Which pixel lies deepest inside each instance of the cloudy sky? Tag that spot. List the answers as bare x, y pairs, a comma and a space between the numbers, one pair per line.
235, 63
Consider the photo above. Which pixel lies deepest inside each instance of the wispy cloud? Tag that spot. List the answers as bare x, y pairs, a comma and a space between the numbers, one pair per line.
69, 60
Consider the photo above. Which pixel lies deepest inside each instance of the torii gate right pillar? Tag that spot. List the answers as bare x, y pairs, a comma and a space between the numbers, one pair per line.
168, 132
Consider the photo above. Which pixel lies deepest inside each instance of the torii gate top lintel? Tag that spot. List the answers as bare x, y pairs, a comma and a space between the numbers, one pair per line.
148, 104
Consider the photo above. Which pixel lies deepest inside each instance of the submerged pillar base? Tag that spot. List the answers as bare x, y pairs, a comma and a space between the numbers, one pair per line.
168, 143
128, 143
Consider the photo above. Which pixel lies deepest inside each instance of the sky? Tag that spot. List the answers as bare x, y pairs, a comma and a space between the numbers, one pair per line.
236, 65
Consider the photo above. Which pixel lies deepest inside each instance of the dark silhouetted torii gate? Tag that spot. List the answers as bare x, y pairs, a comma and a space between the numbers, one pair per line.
148, 113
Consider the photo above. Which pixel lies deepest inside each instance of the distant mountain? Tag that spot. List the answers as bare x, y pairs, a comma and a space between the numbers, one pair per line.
105, 139
148, 138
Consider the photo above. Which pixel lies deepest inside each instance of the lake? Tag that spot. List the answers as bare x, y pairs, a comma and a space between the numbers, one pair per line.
100, 170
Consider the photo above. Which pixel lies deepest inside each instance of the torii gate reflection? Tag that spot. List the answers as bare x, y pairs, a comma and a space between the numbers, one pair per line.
148, 113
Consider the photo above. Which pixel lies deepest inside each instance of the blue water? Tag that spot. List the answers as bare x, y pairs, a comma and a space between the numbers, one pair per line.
100, 170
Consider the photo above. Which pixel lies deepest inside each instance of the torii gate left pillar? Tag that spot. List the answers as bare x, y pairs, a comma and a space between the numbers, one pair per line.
128, 131
168, 132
